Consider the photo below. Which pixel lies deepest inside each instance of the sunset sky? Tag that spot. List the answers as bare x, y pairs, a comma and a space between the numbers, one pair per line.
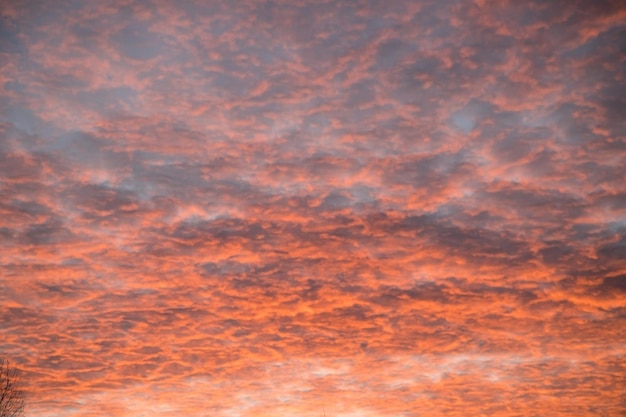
267, 208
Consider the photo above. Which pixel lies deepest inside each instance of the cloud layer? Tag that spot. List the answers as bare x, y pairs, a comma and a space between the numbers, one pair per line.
363, 208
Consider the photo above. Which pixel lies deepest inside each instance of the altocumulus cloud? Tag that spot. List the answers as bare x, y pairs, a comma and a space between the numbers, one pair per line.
263, 208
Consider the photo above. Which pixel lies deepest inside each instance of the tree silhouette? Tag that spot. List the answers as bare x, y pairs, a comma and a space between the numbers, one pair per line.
11, 396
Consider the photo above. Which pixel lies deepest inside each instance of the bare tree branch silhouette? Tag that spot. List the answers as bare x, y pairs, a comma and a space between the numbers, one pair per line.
11, 394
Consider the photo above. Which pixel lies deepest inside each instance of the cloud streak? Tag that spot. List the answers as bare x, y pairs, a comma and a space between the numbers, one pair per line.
279, 208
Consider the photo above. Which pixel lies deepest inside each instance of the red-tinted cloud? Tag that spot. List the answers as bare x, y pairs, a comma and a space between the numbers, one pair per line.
283, 208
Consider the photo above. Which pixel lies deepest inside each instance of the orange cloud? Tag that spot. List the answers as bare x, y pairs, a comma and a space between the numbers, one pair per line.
290, 208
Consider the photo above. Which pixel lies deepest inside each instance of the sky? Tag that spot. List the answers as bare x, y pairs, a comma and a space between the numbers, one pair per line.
354, 208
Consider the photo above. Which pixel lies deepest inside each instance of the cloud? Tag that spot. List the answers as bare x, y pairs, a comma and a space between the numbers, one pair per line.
276, 207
